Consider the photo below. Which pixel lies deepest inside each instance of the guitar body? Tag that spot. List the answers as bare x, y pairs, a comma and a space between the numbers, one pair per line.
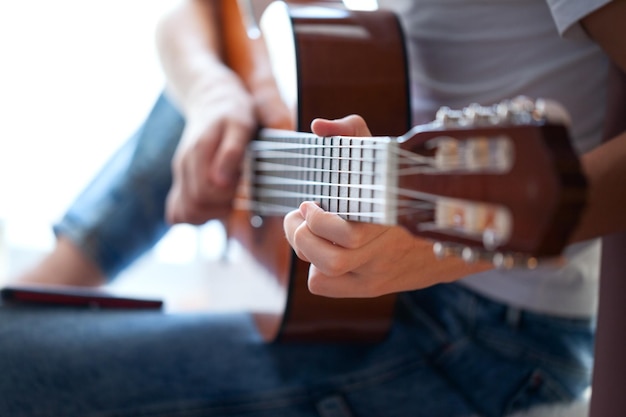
342, 62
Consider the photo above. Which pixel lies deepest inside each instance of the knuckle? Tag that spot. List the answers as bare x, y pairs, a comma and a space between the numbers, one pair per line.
355, 239
300, 236
314, 221
369, 288
315, 287
318, 285
233, 151
290, 224
335, 265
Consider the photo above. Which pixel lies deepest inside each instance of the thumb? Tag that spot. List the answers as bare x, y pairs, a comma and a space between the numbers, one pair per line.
352, 125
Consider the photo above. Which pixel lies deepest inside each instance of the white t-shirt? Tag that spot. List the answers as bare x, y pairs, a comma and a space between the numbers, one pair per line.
484, 51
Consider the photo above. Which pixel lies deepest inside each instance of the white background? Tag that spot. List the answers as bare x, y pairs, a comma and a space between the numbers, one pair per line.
76, 79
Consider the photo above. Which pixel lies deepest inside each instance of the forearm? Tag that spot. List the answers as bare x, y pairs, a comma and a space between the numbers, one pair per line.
189, 47
190, 44
605, 168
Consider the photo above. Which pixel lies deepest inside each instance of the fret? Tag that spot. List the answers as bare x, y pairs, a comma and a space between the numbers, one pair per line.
302, 174
309, 175
285, 187
281, 187
356, 177
367, 193
334, 175
319, 165
354, 167
324, 200
253, 164
344, 174
377, 179
299, 187
389, 172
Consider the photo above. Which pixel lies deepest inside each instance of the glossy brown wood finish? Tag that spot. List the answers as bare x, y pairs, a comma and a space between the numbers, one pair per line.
355, 64
248, 57
340, 76
546, 203
362, 72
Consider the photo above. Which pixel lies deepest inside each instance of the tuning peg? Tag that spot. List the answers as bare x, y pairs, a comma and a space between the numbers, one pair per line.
448, 117
553, 112
444, 250
511, 260
476, 114
468, 254
518, 110
471, 255
502, 260
499, 259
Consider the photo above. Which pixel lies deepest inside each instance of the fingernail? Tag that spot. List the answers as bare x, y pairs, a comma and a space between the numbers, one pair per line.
303, 209
308, 207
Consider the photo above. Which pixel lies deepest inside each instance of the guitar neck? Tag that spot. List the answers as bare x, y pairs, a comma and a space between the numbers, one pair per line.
361, 179
354, 177
490, 179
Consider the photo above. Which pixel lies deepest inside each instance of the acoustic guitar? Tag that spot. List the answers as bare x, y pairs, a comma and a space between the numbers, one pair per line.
500, 182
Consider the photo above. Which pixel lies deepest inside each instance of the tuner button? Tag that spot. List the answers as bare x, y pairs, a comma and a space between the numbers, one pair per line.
502, 261
522, 104
510, 261
439, 250
532, 262
444, 250
553, 112
476, 114
448, 117
504, 112
491, 240
443, 114
470, 255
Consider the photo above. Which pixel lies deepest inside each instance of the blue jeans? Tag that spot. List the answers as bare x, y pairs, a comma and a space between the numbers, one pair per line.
120, 214
450, 352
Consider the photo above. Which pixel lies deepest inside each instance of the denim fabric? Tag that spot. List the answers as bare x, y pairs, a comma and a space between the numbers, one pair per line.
450, 353
120, 214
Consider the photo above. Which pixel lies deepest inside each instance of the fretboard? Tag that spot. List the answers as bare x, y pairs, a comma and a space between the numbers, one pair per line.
354, 177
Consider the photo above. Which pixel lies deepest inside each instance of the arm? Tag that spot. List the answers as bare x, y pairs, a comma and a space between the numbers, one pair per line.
189, 49
605, 166
351, 259
221, 110
218, 113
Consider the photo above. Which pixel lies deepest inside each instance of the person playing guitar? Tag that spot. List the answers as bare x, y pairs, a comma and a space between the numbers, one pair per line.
465, 338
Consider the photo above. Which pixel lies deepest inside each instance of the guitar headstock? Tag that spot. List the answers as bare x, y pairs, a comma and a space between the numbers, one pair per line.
504, 180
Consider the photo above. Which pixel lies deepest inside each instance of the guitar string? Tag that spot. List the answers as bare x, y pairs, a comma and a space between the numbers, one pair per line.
297, 151
266, 208
420, 201
412, 164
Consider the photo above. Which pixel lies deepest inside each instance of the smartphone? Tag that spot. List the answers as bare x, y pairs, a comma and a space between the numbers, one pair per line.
74, 296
